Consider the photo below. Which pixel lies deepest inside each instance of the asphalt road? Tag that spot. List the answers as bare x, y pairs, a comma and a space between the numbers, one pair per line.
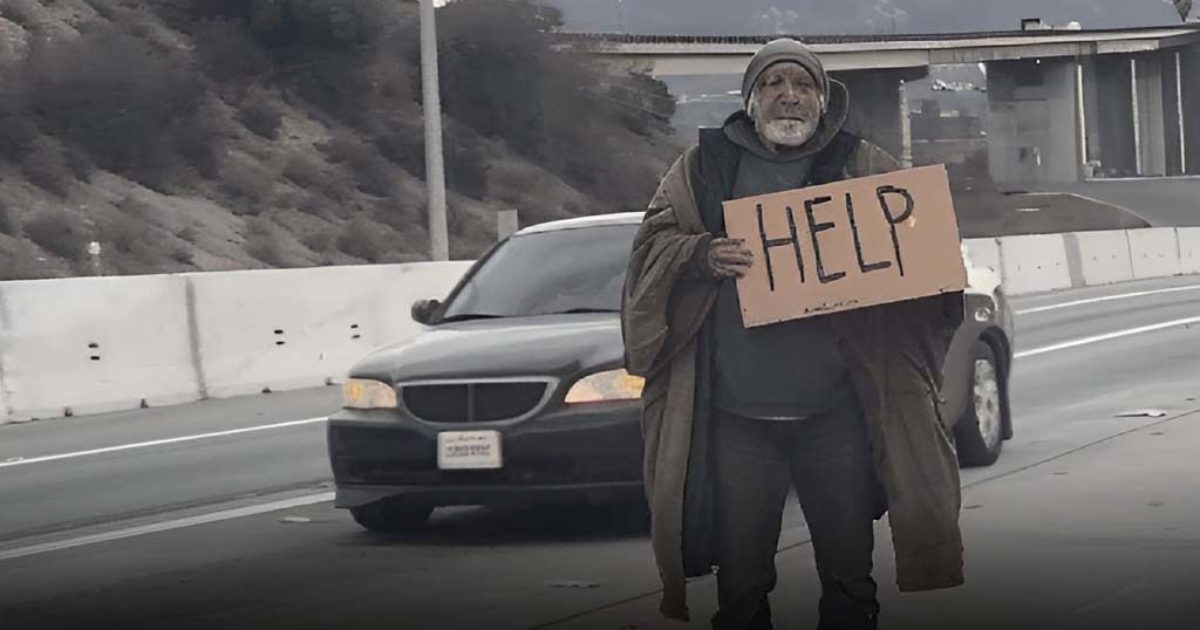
1164, 202
215, 515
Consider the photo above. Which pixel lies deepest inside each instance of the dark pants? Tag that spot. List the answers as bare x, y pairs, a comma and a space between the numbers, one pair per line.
827, 459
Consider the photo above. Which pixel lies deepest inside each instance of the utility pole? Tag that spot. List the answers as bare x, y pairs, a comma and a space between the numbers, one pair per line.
435, 174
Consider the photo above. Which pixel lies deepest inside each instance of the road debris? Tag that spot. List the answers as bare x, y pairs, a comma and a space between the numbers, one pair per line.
295, 519
1143, 413
573, 584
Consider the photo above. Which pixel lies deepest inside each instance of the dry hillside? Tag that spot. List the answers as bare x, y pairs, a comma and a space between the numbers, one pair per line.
186, 135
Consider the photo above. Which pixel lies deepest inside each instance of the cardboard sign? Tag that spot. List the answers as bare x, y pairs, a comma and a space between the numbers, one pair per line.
848, 245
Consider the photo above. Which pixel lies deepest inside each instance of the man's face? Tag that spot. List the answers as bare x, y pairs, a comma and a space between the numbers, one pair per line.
786, 105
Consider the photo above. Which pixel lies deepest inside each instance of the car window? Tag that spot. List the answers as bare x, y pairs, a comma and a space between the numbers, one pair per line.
565, 271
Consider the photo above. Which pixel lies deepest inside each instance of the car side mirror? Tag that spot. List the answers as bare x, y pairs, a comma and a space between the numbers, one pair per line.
424, 310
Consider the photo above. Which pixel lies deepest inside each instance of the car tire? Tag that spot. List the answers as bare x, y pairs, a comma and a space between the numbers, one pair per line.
979, 433
391, 516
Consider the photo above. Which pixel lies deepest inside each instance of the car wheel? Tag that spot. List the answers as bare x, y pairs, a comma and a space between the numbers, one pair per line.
391, 516
978, 434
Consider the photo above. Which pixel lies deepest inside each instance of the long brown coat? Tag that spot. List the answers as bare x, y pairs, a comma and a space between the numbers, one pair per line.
895, 352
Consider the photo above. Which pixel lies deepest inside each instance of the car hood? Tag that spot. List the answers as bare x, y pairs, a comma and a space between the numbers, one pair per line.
550, 345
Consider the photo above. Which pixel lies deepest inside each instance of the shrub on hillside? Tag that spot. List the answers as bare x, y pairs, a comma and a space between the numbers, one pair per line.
59, 233
345, 148
399, 212
8, 220
115, 96
107, 9
323, 50
261, 116
315, 205
319, 242
265, 248
502, 77
306, 173
123, 232
80, 164
18, 14
375, 177
361, 238
371, 172
332, 25
200, 142
326, 186
248, 185
492, 57
45, 168
466, 170
404, 147
643, 104
17, 133
182, 255
262, 242
227, 53
187, 234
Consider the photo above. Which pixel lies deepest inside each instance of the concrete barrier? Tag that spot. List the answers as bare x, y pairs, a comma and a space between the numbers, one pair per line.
1035, 263
1104, 257
1189, 249
1154, 253
985, 252
279, 329
5, 409
90, 345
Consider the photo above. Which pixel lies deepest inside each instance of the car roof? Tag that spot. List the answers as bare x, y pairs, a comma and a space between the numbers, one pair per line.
597, 220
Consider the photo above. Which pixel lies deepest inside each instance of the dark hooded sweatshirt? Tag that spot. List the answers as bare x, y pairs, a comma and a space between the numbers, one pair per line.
792, 369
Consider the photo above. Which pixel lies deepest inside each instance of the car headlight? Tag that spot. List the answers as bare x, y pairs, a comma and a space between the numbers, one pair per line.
606, 386
359, 393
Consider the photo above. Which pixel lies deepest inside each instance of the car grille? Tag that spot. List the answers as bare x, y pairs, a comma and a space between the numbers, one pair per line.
473, 402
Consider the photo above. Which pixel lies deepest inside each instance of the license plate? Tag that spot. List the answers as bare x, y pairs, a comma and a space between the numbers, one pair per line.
469, 450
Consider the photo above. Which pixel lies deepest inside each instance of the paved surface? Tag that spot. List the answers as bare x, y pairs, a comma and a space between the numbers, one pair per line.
1088, 520
39, 497
1164, 202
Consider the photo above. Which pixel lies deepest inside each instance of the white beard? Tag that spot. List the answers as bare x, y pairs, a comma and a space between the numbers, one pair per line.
787, 133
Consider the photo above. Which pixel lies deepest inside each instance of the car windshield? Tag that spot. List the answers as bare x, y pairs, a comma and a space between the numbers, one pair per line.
567, 271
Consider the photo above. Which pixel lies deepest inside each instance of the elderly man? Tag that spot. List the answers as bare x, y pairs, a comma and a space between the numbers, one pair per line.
841, 408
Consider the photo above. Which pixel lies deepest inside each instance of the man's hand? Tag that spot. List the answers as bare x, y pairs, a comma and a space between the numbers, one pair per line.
727, 258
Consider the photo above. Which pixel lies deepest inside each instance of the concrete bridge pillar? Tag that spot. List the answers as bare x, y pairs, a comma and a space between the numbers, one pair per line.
1036, 132
1150, 114
1109, 107
1188, 65
877, 106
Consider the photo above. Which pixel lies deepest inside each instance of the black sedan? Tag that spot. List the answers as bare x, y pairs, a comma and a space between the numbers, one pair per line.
515, 392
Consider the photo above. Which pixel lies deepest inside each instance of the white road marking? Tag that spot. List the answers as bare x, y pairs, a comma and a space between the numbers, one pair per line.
1107, 298
163, 442
1107, 337
166, 526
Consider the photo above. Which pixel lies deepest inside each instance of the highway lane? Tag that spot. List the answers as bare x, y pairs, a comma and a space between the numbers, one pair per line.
1163, 201
111, 486
39, 497
260, 570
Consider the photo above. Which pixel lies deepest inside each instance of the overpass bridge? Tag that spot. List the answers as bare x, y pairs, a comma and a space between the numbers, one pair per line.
1063, 104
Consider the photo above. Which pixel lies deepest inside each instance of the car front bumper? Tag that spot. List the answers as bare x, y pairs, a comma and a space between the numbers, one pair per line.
587, 452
